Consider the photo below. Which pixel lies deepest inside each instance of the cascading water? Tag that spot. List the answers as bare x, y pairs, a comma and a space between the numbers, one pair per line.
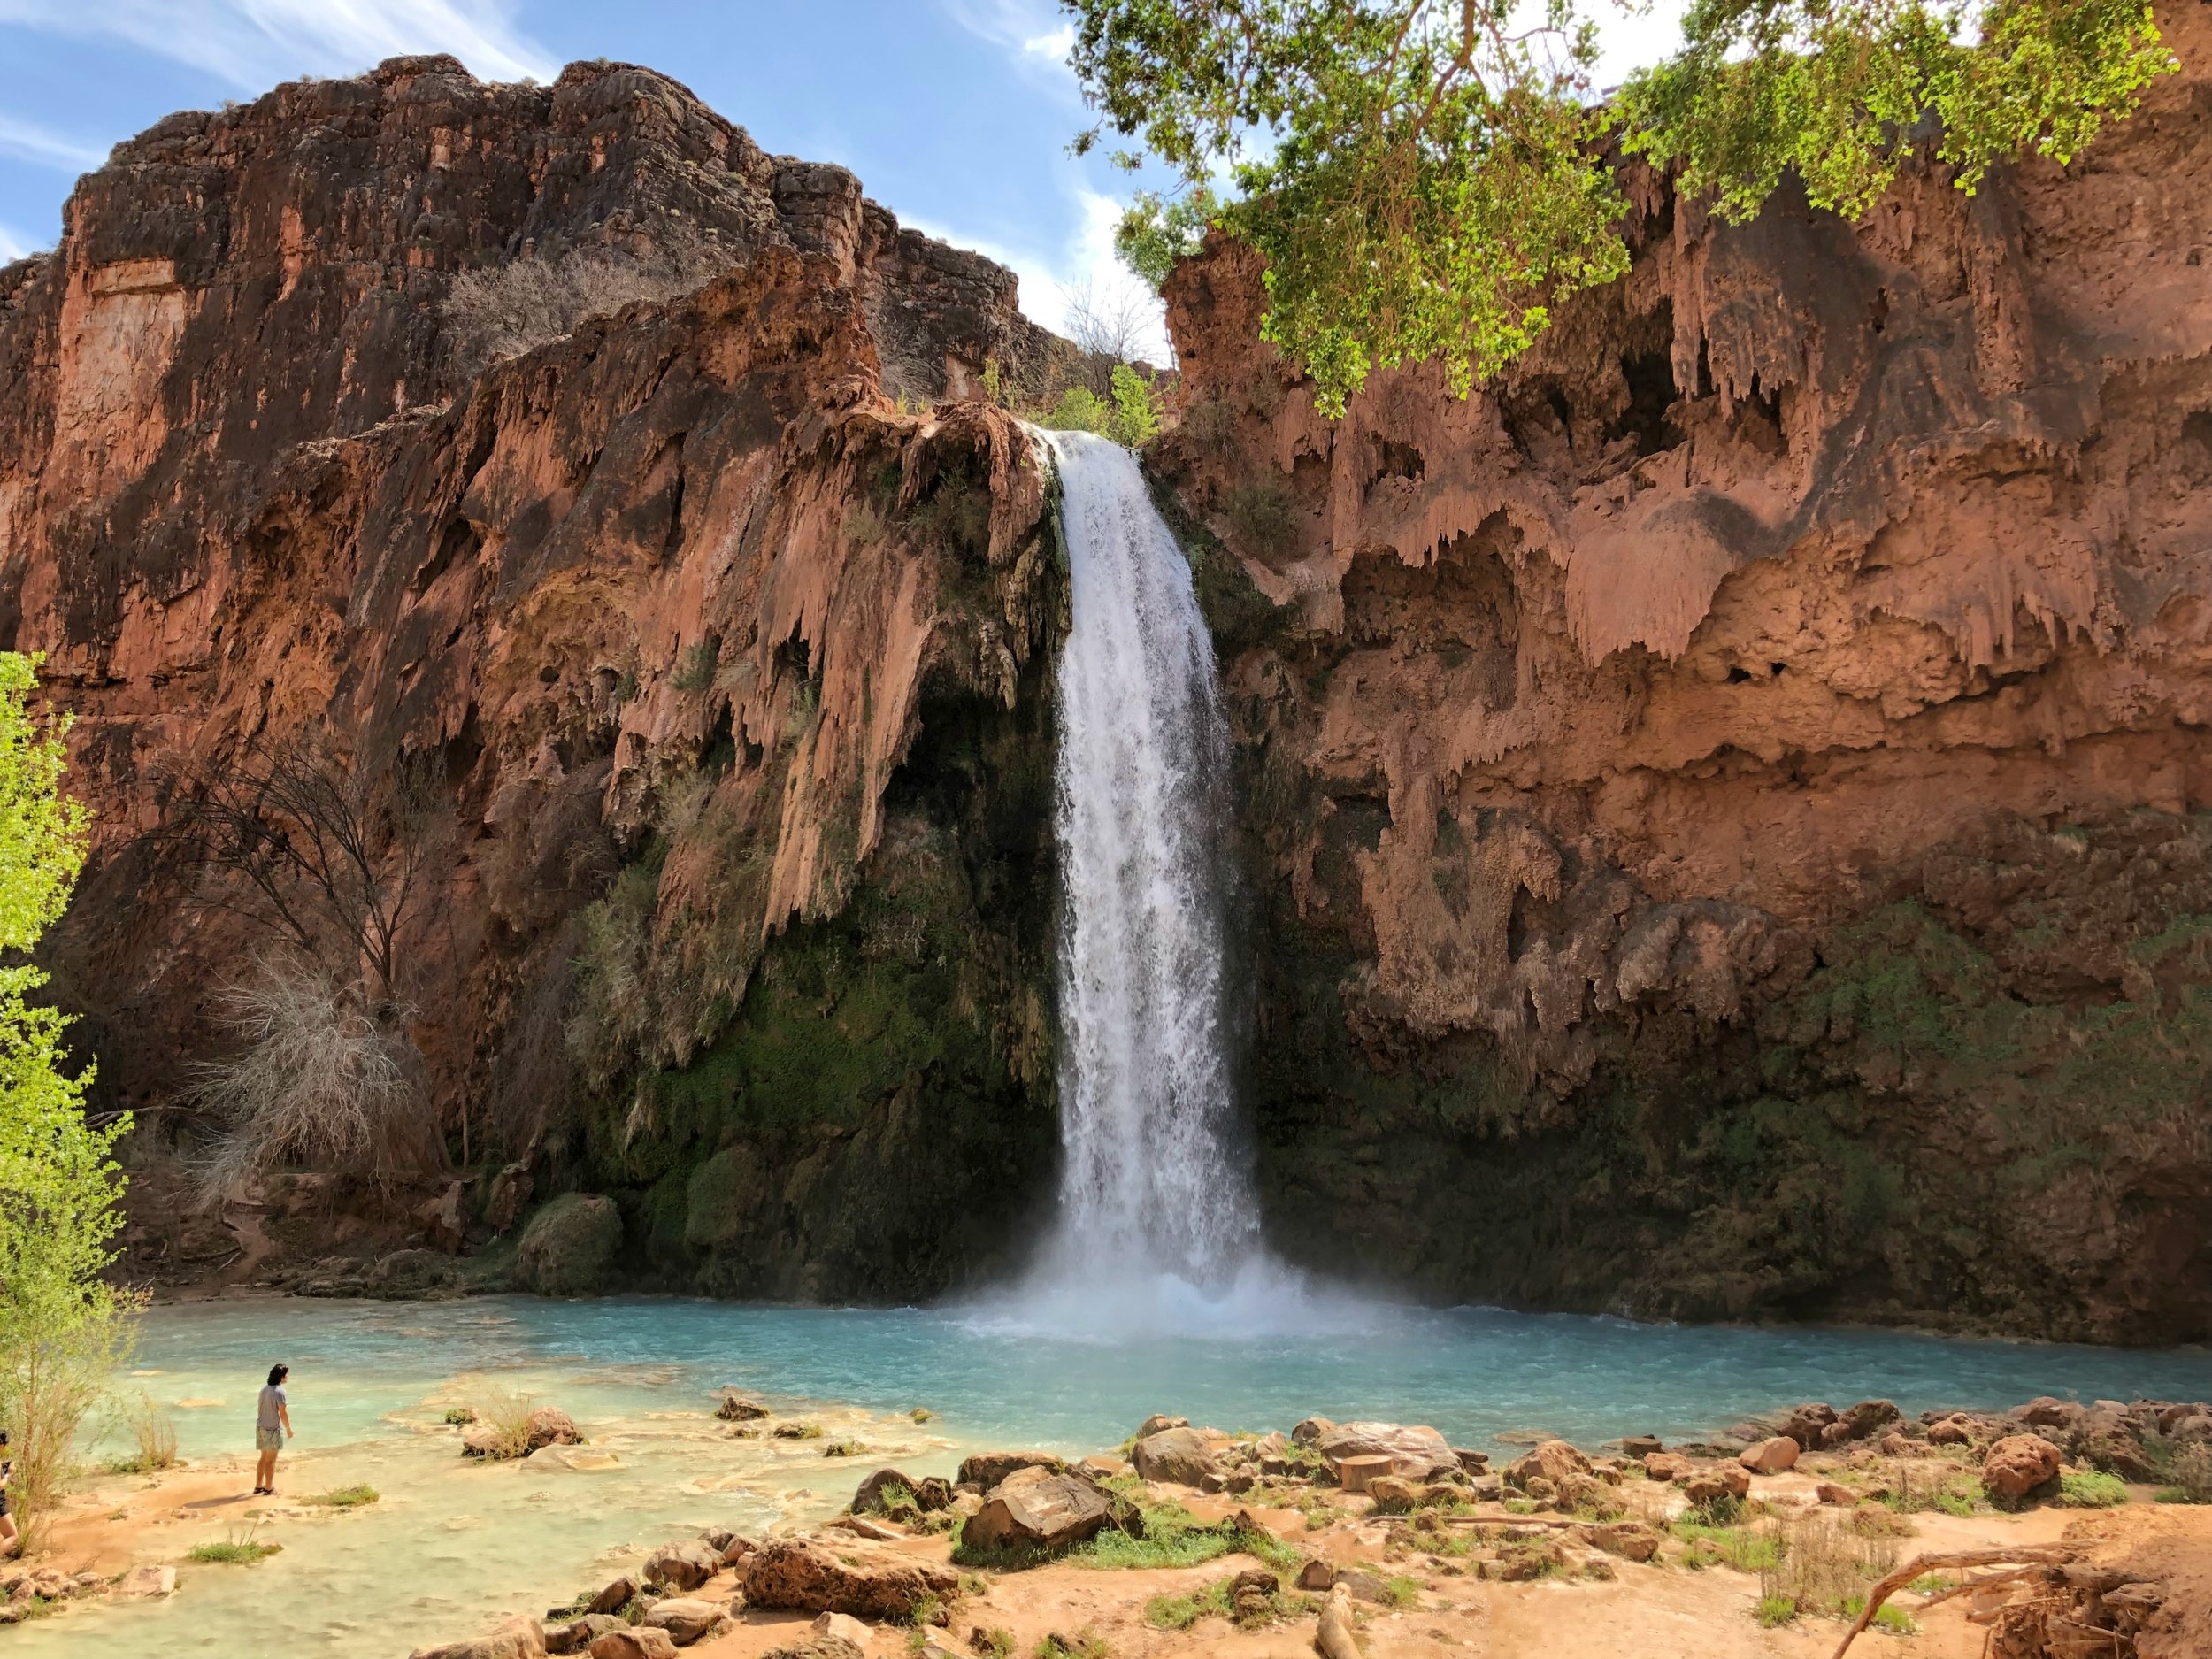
1158, 1226
1152, 1180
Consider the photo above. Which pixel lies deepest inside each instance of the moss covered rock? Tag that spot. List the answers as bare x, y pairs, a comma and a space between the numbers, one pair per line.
569, 1247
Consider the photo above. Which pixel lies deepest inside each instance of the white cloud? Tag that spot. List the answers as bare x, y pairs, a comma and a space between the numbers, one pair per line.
1034, 34
255, 43
13, 247
26, 140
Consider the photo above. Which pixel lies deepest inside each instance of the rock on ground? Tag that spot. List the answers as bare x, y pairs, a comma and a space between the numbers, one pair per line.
1416, 1452
685, 1618
633, 1641
1182, 1457
2018, 1464
681, 1566
1771, 1457
1035, 1509
518, 1637
986, 1470
794, 1573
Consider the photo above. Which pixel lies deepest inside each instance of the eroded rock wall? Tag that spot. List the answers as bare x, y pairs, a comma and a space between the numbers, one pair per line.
1723, 804
728, 672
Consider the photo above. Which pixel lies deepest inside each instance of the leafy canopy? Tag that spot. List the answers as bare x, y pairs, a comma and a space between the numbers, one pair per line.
1425, 178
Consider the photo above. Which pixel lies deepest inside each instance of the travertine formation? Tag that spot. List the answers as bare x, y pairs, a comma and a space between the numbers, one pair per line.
1726, 794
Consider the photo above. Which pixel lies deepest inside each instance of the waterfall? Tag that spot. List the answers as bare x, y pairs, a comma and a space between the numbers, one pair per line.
1155, 1180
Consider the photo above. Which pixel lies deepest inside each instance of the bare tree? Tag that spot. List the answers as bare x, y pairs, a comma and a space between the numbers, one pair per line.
1114, 323
329, 863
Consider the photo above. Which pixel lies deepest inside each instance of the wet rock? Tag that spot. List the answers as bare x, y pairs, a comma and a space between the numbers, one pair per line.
1035, 1509
1158, 1422
2018, 1464
1182, 1457
1417, 1452
147, 1580
735, 1407
569, 1247
633, 1641
550, 1426
519, 1637
986, 1470
686, 1618
796, 1574
1771, 1457
681, 1566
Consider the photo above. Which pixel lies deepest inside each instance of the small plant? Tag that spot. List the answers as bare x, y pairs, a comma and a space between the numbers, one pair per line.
1135, 420
507, 1415
1260, 516
1737, 1546
1180, 1612
458, 1416
843, 1448
2189, 1473
798, 1431
1817, 1566
345, 1498
1085, 1644
153, 1438
921, 1414
995, 1643
864, 525
696, 672
2091, 1489
1777, 1609
238, 1548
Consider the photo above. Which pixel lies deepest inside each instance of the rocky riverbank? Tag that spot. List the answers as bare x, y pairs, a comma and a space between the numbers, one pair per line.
2038, 1528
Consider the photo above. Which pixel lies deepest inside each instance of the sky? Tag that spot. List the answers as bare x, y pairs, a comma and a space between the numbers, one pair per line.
954, 114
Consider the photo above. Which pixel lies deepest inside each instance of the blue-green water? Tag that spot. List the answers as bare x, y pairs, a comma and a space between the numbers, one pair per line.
454, 1544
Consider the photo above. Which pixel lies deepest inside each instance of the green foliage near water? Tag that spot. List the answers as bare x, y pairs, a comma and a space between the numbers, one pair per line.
1429, 178
2091, 1489
60, 1335
1132, 414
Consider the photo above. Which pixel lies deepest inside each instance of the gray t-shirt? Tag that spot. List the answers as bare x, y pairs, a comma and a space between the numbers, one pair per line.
271, 1402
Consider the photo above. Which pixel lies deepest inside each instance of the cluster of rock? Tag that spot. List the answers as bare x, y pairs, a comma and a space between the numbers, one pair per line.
27, 1592
547, 1426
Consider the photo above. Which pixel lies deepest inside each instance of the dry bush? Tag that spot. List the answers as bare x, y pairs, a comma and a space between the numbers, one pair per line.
503, 310
318, 1078
507, 1415
1821, 1567
153, 1433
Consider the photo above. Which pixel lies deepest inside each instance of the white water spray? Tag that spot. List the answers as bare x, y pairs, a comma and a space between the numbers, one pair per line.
1159, 1227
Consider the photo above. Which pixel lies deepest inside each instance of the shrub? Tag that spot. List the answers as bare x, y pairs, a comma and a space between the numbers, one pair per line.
345, 1498
843, 1448
503, 310
457, 1416
1260, 517
153, 1437
1818, 1566
507, 1415
696, 672
1777, 1609
2190, 1472
2091, 1489
238, 1548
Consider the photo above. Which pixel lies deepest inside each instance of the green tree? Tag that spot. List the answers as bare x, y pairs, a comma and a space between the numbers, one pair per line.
60, 1335
1426, 178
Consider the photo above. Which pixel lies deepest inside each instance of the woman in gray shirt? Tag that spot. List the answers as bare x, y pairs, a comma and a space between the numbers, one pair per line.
272, 1424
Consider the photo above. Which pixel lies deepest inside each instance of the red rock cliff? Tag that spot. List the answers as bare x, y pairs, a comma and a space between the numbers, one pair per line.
1729, 794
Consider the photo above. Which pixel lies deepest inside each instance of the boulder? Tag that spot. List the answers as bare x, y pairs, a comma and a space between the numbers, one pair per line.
2044, 1412
1554, 1461
841, 1627
1101, 1467
550, 1426
1311, 1431
1860, 1422
444, 1219
1771, 1457
1158, 1422
736, 1550
1806, 1424
684, 1566
147, 1580
2168, 1414
796, 1574
2018, 1464
685, 1618
510, 1192
1717, 1481
986, 1470
519, 1637
617, 1595
481, 1439
1630, 1540
578, 1636
1843, 1497
868, 1498
1182, 1455
2195, 1424
1636, 1446
2107, 1438
1035, 1509
1667, 1466
633, 1641
735, 1407
1356, 1474
1416, 1453
1956, 1430
1392, 1495
1472, 1463
1316, 1574
569, 1247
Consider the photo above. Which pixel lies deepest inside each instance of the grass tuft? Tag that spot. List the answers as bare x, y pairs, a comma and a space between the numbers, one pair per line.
238, 1548
2091, 1489
344, 1498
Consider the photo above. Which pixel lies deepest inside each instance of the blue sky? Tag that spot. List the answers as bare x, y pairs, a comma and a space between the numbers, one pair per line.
955, 114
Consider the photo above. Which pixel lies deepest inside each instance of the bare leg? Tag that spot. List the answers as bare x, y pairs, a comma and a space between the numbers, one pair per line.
8, 1536
265, 1471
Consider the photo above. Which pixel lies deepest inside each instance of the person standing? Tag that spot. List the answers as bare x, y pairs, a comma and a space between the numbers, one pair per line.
10, 1539
272, 1424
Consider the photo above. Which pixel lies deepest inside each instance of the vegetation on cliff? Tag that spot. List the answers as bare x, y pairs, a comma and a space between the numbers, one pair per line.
1427, 178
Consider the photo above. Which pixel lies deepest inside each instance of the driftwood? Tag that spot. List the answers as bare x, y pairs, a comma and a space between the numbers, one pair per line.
2022, 1562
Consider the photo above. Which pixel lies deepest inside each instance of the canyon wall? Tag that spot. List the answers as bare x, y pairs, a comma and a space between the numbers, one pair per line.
1725, 805
685, 618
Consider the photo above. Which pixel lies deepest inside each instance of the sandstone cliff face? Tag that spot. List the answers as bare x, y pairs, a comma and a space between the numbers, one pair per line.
728, 671
1725, 803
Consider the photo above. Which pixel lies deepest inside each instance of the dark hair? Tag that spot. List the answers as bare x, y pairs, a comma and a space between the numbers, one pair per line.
278, 1373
